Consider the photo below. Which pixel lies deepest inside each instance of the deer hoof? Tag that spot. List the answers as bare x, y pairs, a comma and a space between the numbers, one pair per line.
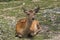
20, 36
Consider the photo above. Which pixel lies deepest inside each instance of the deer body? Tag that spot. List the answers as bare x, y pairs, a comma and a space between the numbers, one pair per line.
20, 26
35, 26
28, 25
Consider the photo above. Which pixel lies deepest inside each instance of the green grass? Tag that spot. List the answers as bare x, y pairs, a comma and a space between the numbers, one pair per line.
7, 26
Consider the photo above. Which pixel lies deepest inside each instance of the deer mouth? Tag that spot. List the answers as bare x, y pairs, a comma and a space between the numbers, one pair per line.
32, 18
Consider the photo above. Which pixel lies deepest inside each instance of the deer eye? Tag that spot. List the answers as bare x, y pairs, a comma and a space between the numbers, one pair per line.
28, 14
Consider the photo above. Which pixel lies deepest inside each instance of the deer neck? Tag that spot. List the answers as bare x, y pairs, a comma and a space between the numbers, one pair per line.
29, 22
28, 25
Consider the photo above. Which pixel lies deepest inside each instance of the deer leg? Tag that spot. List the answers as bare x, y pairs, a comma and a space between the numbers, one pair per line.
37, 31
39, 28
18, 35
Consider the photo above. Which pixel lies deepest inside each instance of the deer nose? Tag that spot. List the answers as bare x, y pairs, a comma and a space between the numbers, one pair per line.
32, 18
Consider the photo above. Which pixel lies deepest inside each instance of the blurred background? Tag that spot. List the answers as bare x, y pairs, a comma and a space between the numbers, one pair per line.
48, 16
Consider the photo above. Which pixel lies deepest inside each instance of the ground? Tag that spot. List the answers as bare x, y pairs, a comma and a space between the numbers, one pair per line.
48, 16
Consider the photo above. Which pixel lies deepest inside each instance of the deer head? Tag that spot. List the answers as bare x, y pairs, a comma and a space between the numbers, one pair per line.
31, 13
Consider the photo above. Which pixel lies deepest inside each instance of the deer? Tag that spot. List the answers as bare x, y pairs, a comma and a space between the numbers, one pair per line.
28, 26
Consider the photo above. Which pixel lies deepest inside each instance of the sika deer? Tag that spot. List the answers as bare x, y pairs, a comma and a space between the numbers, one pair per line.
28, 26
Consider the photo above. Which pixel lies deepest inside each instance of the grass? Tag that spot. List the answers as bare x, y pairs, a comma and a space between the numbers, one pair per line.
7, 25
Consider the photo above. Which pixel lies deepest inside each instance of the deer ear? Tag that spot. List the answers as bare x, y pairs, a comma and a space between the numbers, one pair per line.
36, 9
24, 10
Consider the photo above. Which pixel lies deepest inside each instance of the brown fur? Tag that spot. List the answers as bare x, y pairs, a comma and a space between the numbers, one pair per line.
21, 24
28, 25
